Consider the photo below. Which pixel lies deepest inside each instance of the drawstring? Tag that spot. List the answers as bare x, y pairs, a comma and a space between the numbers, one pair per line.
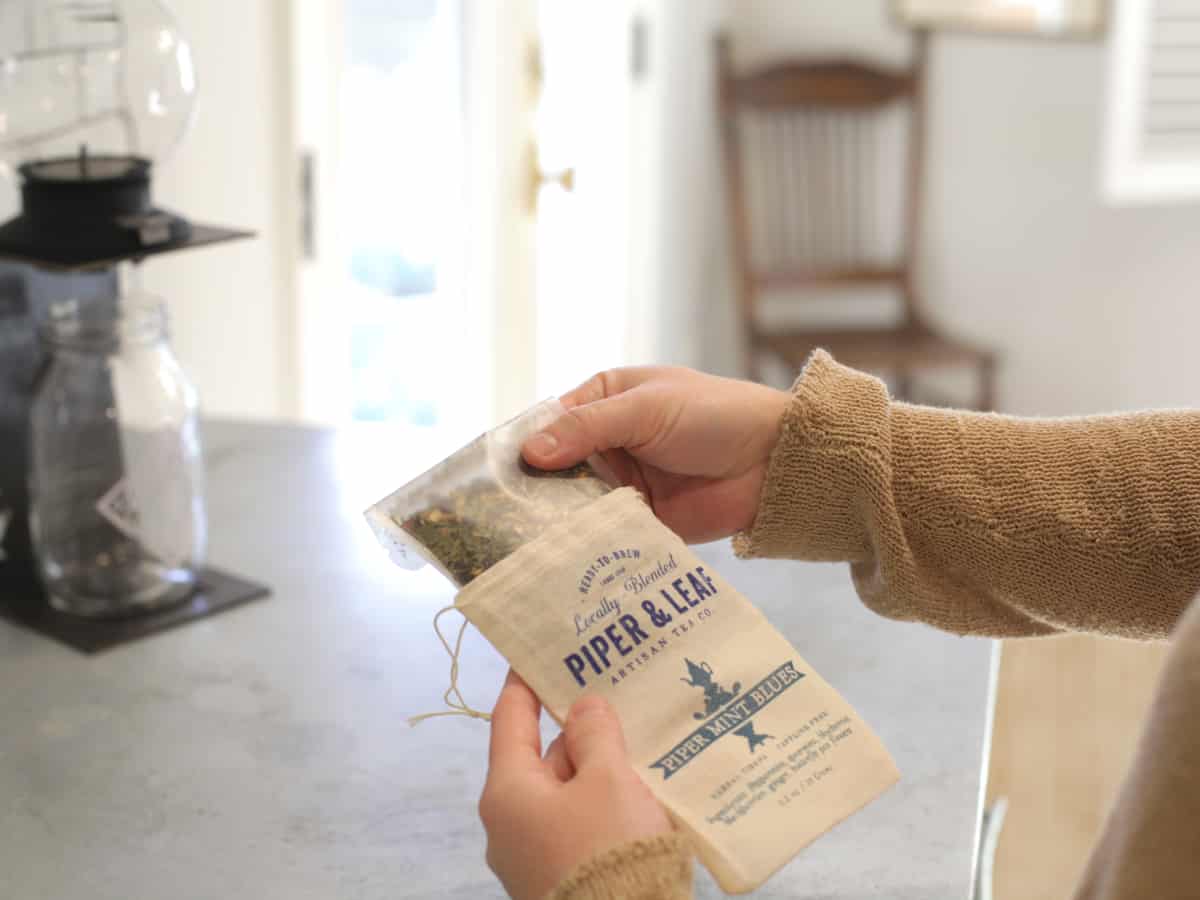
453, 696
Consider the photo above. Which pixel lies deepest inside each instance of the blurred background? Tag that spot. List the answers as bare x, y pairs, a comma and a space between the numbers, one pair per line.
463, 206
510, 196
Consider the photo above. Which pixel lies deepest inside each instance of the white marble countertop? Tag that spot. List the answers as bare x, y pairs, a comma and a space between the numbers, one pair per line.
264, 752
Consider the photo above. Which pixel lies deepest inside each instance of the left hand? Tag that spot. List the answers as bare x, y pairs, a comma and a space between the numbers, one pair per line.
546, 815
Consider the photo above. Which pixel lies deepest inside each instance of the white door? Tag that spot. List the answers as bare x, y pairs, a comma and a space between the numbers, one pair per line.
584, 234
433, 290
382, 323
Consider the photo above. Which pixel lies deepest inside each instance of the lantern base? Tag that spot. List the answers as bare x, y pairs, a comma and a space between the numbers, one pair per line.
217, 592
90, 212
18, 245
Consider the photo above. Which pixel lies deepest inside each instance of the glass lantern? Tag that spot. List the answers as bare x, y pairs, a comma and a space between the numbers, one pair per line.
93, 95
105, 80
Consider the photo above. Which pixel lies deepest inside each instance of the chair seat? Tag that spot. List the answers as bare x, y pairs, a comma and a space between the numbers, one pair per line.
892, 349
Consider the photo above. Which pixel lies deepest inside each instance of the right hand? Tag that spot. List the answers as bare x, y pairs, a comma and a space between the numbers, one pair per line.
546, 815
695, 445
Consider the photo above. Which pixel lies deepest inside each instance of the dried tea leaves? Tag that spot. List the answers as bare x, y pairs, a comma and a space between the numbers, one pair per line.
473, 527
482, 502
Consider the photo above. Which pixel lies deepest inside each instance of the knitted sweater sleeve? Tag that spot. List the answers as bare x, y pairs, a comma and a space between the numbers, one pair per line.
655, 869
986, 524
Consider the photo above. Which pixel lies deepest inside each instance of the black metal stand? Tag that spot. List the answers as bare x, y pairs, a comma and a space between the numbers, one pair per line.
218, 591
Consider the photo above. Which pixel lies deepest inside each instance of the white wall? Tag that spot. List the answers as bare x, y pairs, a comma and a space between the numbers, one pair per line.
680, 311
1092, 307
231, 305
762, 30
499, 235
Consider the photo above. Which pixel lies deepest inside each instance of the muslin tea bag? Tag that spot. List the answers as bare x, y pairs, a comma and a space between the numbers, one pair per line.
750, 750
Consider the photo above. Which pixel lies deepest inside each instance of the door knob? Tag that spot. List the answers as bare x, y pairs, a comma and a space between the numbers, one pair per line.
564, 178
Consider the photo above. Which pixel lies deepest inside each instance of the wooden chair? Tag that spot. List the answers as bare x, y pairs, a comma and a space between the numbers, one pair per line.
804, 147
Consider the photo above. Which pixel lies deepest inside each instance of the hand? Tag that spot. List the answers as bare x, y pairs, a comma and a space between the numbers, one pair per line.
695, 445
545, 816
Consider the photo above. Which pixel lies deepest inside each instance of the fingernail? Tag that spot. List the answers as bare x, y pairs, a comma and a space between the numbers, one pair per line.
543, 444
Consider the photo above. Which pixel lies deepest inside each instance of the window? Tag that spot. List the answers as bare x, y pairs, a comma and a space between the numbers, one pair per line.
1153, 141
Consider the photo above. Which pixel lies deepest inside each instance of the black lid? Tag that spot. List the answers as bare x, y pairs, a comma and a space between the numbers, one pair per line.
84, 211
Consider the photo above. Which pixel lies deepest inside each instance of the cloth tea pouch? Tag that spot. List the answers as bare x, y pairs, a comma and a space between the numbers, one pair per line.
751, 751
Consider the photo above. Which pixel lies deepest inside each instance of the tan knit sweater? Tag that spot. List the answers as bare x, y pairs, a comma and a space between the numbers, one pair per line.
990, 525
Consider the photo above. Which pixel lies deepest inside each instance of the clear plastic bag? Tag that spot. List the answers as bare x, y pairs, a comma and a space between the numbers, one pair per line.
483, 502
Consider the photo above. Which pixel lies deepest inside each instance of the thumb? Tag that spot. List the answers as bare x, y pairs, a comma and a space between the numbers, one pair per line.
593, 734
618, 421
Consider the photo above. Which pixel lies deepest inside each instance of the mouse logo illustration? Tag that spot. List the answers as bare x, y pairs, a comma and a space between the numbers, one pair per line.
701, 676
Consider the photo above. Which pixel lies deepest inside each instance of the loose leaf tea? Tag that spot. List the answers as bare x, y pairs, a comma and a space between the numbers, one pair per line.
473, 528
484, 502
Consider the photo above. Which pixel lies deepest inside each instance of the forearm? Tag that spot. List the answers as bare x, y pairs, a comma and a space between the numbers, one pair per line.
985, 524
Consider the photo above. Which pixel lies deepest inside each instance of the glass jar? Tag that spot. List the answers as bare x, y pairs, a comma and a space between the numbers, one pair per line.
116, 478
